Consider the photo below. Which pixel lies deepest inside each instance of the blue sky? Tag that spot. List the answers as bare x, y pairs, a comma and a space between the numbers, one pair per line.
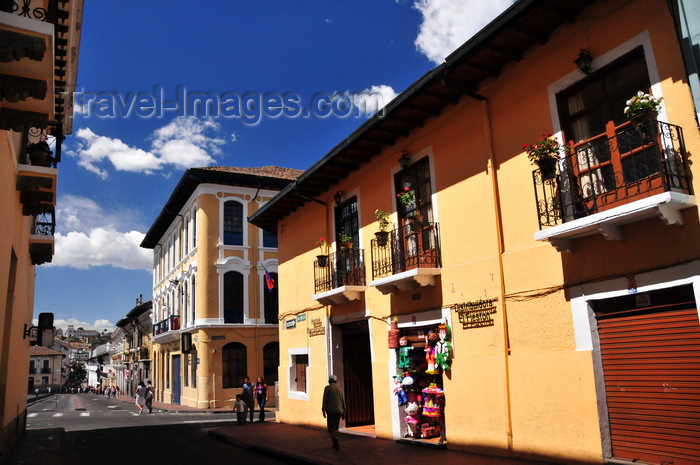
270, 70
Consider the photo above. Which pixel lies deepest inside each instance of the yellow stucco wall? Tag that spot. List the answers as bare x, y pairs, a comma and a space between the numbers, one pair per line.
531, 391
17, 303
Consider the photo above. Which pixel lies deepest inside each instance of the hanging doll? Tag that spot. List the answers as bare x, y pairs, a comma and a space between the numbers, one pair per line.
430, 342
399, 392
405, 362
442, 348
408, 388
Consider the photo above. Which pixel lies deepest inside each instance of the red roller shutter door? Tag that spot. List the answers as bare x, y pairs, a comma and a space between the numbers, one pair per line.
651, 366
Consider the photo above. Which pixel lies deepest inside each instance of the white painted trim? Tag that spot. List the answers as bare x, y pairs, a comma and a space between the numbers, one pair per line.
298, 395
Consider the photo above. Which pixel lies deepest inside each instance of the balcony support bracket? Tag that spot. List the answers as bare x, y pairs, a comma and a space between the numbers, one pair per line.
670, 214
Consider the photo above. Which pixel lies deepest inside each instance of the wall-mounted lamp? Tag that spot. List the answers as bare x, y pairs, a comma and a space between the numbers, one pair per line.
584, 61
338, 197
45, 330
404, 161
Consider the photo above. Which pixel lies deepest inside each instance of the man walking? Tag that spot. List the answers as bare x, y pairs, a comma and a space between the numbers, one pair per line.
248, 396
149, 397
333, 408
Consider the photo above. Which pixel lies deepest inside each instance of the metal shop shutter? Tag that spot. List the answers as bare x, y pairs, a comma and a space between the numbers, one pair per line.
651, 368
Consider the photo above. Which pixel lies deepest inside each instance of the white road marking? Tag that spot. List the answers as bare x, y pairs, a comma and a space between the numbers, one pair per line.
85, 414
57, 415
32, 415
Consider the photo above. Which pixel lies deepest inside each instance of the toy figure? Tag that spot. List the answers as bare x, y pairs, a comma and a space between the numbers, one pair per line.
408, 388
399, 392
442, 348
432, 411
430, 342
413, 419
405, 362
431, 406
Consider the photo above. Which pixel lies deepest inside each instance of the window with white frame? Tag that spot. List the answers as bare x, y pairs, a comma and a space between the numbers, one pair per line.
233, 223
298, 373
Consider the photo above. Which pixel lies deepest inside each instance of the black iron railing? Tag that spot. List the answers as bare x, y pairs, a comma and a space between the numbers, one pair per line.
640, 161
415, 245
171, 323
345, 267
44, 224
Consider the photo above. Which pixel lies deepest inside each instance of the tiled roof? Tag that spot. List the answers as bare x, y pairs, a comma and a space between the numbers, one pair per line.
41, 350
263, 171
272, 178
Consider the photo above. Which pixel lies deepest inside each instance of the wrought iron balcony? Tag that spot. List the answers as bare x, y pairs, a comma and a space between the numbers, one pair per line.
343, 268
41, 239
641, 161
410, 254
171, 323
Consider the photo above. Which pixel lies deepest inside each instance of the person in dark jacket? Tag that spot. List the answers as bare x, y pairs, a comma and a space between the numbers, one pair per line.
333, 409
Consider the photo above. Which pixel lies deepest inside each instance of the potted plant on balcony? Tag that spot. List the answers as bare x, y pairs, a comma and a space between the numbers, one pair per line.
39, 153
544, 154
407, 197
409, 201
384, 221
323, 257
346, 240
642, 107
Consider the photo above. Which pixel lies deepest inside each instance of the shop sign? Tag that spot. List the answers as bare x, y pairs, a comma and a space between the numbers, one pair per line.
289, 324
477, 314
301, 317
218, 338
317, 329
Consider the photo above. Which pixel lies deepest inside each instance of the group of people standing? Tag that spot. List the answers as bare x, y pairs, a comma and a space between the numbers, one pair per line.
144, 397
246, 400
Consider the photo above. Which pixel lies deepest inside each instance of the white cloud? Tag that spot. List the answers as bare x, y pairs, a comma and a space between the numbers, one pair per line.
75, 213
447, 24
185, 142
102, 246
374, 98
92, 236
98, 325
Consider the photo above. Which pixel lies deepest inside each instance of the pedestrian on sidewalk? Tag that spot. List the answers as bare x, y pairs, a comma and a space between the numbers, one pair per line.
248, 397
239, 408
261, 396
141, 397
333, 409
149, 397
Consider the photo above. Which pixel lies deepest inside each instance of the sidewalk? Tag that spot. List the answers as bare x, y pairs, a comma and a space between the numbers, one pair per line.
306, 445
292, 444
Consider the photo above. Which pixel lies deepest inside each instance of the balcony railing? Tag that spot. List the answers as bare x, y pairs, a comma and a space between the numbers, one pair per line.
172, 323
41, 240
415, 245
343, 268
640, 161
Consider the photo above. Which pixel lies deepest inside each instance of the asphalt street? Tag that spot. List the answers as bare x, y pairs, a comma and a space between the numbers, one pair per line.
87, 428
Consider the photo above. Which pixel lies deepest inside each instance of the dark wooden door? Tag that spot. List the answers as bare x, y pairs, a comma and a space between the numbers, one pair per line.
357, 374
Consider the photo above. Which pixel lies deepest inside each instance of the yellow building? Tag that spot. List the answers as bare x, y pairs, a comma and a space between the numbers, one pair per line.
39, 46
214, 317
570, 299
